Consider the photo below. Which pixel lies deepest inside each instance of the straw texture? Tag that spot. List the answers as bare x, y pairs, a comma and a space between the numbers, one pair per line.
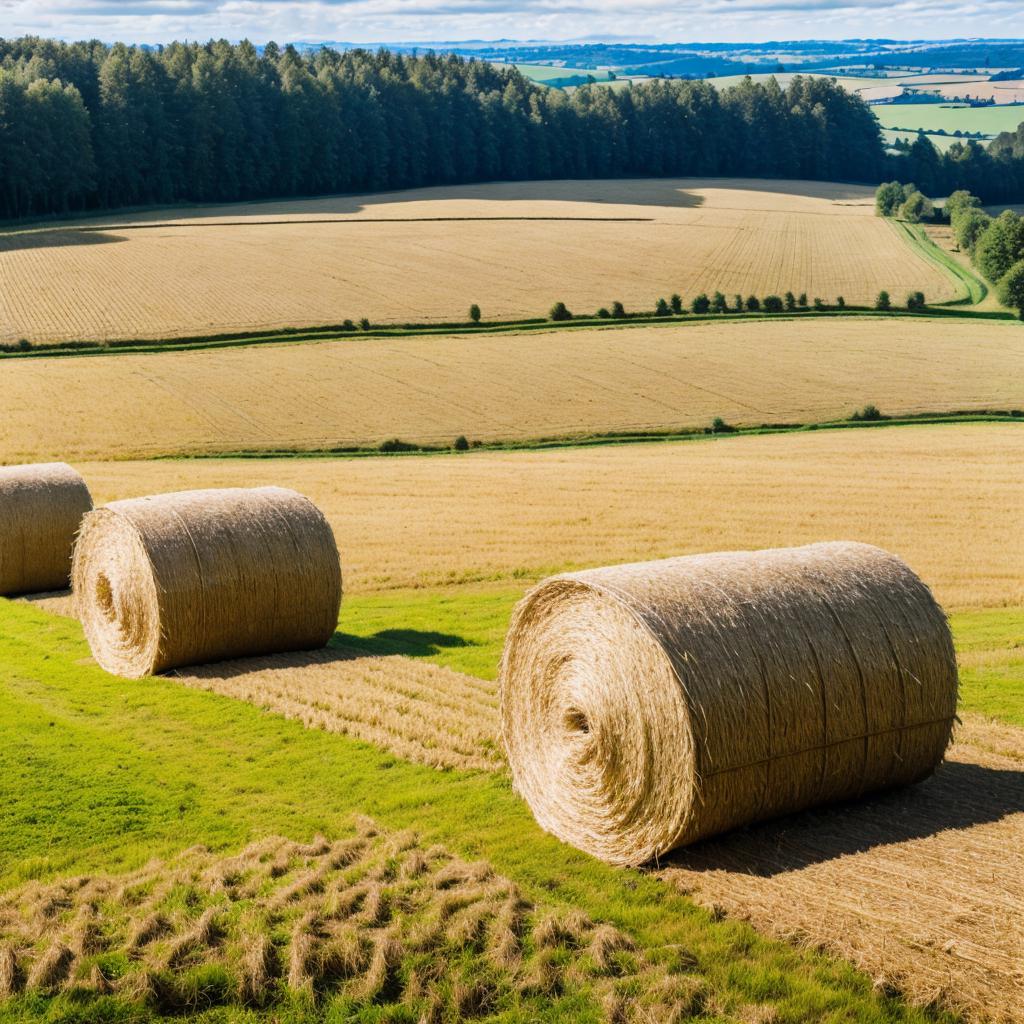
196, 576
41, 508
647, 706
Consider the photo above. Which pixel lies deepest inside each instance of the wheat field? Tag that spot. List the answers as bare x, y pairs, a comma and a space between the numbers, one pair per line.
426, 255
502, 387
945, 498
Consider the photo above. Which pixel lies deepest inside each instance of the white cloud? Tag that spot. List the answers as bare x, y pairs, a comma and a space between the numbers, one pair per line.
427, 20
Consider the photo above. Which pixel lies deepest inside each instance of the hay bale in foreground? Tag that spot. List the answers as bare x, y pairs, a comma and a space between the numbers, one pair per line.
41, 509
196, 576
647, 706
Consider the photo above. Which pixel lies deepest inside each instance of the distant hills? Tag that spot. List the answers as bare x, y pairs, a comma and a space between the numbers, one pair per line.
698, 60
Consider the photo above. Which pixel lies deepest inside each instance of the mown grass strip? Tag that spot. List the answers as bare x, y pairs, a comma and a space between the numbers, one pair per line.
100, 774
972, 287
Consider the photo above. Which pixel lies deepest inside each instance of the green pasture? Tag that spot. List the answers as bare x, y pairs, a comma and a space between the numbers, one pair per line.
931, 117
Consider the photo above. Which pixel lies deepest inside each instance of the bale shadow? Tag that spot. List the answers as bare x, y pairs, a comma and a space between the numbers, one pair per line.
413, 643
959, 796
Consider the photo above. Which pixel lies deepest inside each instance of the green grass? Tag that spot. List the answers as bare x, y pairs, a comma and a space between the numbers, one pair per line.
934, 116
991, 648
101, 774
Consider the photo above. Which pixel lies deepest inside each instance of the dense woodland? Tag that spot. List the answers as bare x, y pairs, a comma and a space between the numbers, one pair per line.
87, 126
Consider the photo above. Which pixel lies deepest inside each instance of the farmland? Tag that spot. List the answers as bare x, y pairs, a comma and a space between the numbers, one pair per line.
950, 118
360, 392
420, 632
424, 256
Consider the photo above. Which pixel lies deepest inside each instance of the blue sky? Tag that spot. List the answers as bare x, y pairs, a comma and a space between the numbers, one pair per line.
424, 20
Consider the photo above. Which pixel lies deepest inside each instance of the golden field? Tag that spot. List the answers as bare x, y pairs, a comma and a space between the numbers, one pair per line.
946, 498
426, 255
502, 387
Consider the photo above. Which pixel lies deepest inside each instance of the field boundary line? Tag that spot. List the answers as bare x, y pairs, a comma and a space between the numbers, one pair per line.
338, 332
639, 435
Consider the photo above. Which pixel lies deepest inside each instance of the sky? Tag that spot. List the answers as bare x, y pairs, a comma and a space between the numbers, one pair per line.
362, 21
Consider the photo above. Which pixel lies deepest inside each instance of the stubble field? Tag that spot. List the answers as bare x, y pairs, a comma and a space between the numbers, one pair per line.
946, 498
503, 387
426, 255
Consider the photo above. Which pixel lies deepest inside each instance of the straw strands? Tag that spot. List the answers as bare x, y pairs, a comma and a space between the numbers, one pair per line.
921, 888
377, 918
198, 576
41, 508
646, 706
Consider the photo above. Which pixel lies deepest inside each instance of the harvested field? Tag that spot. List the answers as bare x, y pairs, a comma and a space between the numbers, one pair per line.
426, 255
503, 387
518, 516
923, 888
417, 710
370, 920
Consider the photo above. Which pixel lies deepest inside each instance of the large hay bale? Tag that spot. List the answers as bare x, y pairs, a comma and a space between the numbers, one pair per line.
41, 508
647, 706
196, 576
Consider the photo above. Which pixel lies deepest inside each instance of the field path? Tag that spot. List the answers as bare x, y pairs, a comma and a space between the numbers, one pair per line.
922, 888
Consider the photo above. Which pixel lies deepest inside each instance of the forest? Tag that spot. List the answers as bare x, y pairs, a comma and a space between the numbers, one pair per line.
87, 126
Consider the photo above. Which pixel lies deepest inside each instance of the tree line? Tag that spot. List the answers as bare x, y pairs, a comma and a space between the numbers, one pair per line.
89, 126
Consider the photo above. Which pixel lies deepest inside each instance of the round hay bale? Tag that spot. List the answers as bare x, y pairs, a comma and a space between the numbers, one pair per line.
41, 509
197, 576
647, 706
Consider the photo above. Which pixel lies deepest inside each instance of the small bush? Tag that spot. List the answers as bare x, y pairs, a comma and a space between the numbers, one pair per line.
701, 304
676, 302
559, 312
348, 326
718, 303
364, 324
802, 301
719, 426
618, 311
603, 314
868, 414
737, 303
915, 300
790, 301
24, 345
883, 301
818, 303
753, 303
841, 302
773, 304
461, 444
662, 308
474, 313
